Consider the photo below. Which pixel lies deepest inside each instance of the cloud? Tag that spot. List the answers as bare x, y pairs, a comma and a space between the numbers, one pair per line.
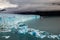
6, 4
29, 5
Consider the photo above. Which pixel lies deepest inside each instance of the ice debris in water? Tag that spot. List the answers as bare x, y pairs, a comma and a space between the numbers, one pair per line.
43, 34
9, 21
34, 32
6, 37
17, 26
23, 29
37, 33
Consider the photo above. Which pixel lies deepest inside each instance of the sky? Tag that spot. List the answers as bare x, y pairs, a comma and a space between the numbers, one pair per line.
6, 4
30, 4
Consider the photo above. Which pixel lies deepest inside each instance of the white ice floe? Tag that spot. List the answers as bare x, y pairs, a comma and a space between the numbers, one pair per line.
36, 33
22, 28
6, 37
52, 36
42, 34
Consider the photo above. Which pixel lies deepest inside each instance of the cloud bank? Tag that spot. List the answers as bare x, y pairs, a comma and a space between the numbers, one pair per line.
30, 5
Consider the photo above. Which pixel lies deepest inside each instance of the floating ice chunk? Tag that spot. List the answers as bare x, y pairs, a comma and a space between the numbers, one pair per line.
6, 37
21, 31
42, 36
58, 37
22, 28
34, 32
44, 33
52, 36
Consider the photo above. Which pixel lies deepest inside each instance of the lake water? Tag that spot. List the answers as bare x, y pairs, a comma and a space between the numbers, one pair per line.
49, 24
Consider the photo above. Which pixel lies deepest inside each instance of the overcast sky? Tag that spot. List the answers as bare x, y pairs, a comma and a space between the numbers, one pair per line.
30, 4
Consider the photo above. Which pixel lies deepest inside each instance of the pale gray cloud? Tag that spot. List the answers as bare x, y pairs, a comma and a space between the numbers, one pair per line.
29, 5
6, 4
